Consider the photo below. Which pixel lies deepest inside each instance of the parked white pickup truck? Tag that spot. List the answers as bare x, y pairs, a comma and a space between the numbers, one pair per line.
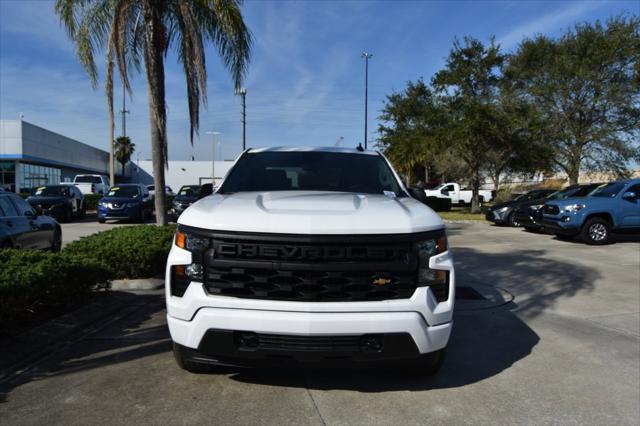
452, 191
92, 184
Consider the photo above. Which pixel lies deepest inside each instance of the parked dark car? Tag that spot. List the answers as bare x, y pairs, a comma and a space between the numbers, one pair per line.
187, 195
529, 215
126, 202
23, 228
63, 202
505, 213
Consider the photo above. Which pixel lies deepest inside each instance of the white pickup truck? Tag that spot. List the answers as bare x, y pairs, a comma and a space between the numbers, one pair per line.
92, 184
452, 191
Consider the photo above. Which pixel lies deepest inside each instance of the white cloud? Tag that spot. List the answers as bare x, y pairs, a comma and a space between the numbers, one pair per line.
551, 21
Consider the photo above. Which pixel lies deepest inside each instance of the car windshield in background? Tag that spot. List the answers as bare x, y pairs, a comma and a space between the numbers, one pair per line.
311, 171
52, 191
124, 192
610, 190
190, 191
88, 179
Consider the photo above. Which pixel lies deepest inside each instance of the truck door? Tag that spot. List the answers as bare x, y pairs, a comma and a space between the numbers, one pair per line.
454, 195
630, 208
14, 223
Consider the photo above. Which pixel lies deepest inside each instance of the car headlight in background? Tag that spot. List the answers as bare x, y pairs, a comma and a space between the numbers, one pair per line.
502, 210
574, 207
536, 206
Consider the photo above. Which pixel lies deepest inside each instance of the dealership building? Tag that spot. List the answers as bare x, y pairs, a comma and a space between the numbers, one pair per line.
32, 156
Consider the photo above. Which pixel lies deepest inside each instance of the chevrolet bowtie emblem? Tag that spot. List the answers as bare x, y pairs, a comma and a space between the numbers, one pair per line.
382, 281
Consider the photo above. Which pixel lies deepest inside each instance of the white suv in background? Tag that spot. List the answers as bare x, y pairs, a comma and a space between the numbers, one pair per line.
308, 255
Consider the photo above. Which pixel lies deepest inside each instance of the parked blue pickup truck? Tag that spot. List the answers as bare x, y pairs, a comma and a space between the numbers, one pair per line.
613, 207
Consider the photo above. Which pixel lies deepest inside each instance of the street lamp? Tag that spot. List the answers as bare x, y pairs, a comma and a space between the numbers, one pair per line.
213, 156
366, 57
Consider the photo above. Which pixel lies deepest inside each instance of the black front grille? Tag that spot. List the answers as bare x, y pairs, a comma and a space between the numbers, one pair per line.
313, 268
317, 286
551, 209
287, 342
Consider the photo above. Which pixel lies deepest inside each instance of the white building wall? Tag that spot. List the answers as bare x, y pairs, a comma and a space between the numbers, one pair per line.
182, 173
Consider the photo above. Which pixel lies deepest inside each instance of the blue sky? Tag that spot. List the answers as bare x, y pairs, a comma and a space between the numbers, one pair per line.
305, 85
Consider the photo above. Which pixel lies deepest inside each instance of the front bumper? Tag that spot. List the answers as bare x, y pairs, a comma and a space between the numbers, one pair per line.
126, 213
421, 317
563, 224
528, 218
497, 216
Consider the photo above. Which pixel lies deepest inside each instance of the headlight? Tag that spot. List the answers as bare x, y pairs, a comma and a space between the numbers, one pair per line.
502, 210
536, 207
103, 204
426, 250
574, 207
196, 245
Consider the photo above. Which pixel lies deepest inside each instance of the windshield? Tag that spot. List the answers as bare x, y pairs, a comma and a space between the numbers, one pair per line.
88, 179
311, 171
52, 191
438, 187
124, 191
190, 191
609, 190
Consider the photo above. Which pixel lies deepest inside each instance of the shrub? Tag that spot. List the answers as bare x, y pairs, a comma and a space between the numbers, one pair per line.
91, 201
439, 204
128, 252
34, 283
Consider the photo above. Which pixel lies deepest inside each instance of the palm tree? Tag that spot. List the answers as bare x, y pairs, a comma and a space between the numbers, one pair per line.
123, 148
139, 33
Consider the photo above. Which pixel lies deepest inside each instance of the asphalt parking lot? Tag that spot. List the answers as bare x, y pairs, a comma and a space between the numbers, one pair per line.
556, 341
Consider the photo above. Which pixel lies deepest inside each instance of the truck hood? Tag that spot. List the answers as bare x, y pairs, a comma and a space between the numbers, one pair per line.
311, 212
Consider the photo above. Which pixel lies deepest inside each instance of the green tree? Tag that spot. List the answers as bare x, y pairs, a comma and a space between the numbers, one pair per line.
469, 86
123, 148
140, 33
411, 121
586, 86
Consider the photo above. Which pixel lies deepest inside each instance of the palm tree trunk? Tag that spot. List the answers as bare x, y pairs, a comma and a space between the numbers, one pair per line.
154, 64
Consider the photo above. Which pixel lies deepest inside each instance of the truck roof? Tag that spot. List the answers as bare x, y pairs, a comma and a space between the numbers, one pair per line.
313, 149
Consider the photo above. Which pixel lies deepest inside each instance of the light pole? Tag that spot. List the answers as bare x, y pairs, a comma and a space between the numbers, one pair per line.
242, 92
213, 156
366, 57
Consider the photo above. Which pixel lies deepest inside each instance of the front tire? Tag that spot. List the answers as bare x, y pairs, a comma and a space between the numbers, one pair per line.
101, 221
56, 242
428, 364
187, 363
512, 221
596, 231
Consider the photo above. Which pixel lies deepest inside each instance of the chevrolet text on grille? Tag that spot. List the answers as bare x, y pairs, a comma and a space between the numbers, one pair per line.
304, 252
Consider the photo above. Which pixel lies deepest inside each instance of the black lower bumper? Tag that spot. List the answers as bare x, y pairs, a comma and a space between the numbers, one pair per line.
248, 348
555, 228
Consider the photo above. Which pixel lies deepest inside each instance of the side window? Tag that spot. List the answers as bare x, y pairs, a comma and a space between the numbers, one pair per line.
21, 206
450, 188
7, 207
635, 189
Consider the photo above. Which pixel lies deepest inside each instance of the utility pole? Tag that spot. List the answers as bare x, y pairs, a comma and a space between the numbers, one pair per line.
213, 156
366, 57
124, 111
243, 94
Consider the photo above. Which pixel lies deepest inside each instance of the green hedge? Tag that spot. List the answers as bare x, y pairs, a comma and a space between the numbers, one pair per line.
439, 204
128, 252
91, 201
34, 283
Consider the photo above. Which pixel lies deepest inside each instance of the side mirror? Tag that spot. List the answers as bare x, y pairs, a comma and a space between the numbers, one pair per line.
33, 213
205, 190
631, 196
418, 194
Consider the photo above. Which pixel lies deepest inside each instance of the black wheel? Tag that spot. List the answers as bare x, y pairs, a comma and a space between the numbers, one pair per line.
512, 221
101, 221
189, 364
56, 242
596, 231
530, 229
83, 211
141, 217
66, 215
428, 364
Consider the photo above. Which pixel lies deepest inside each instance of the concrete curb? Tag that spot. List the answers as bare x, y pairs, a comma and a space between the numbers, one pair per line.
137, 284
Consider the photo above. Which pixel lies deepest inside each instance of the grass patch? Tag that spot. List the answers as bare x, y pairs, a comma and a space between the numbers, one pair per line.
461, 213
